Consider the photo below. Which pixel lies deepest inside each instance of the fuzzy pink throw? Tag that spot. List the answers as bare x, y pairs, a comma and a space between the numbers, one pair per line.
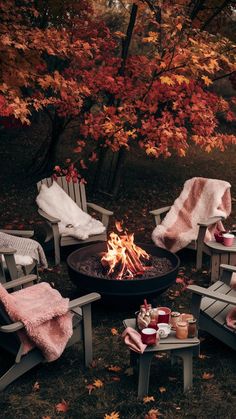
231, 315
133, 339
200, 199
44, 313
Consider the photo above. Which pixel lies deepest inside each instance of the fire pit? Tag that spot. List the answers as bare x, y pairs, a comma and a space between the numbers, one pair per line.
91, 268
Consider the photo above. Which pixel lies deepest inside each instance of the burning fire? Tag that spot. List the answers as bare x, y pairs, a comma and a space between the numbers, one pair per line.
123, 256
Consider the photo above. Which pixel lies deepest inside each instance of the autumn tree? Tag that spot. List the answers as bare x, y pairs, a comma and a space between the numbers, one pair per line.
148, 82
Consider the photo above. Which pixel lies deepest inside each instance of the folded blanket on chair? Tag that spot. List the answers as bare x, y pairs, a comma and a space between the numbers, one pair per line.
73, 221
44, 313
200, 199
231, 315
26, 249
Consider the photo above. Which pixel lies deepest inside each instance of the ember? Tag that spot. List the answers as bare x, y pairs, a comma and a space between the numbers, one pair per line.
123, 257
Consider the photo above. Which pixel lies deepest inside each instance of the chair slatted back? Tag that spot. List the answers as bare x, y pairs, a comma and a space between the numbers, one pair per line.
76, 191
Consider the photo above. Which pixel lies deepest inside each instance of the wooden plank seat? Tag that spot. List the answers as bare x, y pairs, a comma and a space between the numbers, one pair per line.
211, 305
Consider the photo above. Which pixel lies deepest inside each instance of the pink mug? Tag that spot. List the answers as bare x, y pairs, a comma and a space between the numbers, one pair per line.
228, 239
163, 314
149, 336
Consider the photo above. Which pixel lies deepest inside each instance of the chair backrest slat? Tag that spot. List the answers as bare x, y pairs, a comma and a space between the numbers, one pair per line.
76, 191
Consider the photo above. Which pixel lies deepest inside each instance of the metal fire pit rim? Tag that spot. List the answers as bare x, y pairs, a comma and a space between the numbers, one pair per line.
133, 280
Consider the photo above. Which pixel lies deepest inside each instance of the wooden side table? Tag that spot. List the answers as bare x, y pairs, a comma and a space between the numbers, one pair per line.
220, 254
184, 348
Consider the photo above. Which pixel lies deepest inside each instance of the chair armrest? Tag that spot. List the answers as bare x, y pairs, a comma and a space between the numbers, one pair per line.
210, 221
48, 217
20, 281
11, 328
21, 233
99, 209
159, 211
228, 268
84, 300
195, 289
7, 250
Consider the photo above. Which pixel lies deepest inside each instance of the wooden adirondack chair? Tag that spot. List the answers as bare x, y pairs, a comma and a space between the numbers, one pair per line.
198, 244
9, 340
76, 191
9, 269
210, 306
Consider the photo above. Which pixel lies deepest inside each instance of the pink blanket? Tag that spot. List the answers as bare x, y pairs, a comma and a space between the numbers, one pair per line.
231, 315
200, 199
44, 313
133, 339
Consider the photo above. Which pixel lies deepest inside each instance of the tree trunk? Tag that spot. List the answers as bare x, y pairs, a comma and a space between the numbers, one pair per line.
46, 157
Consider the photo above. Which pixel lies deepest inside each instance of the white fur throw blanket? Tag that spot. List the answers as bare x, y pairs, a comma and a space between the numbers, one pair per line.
44, 313
200, 199
26, 250
73, 221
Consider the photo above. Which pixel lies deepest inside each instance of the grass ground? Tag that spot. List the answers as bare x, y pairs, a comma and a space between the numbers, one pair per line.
147, 184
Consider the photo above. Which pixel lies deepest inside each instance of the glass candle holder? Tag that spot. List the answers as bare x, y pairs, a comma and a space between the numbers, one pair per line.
192, 328
174, 319
181, 330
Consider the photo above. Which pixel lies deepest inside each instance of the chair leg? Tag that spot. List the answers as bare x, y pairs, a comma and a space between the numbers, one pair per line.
87, 332
27, 362
56, 240
187, 357
144, 373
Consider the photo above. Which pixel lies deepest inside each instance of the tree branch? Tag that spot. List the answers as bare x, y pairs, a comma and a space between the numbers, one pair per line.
126, 42
216, 13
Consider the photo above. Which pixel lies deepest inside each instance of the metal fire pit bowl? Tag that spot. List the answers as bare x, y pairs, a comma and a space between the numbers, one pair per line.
113, 289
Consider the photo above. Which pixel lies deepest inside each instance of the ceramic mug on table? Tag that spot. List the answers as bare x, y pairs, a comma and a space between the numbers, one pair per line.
149, 336
163, 315
228, 239
164, 330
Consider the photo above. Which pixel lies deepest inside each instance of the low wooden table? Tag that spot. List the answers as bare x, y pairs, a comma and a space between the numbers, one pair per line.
183, 348
220, 254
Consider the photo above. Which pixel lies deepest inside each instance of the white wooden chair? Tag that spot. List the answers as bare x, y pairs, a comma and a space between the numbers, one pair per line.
8, 268
9, 340
197, 244
211, 305
77, 192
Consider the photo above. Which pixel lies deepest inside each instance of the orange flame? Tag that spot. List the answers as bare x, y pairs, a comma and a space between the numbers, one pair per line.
124, 257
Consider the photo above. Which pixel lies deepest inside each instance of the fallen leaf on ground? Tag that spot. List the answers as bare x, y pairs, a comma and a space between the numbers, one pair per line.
152, 414
148, 399
36, 386
62, 407
115, 378
207, 376
114, 331
179, 280
114, 368
201, 356
90, 388
98, 383
113, 415
129, 371
162, 389
93, 364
